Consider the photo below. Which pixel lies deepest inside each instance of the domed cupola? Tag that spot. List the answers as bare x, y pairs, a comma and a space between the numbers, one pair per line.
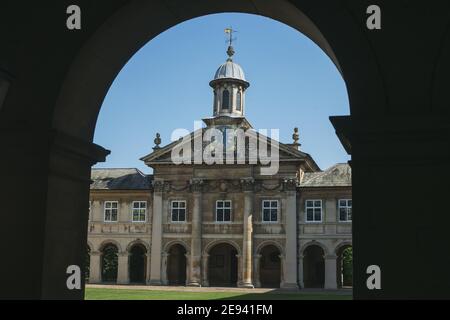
229, 86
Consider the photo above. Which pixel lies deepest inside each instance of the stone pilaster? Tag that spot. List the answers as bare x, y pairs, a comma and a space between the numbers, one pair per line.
196, 236
247, 241
164, 258
301, 281
256, 270
122, 268
290, 223
330, 271
155, 269
205, 260
95, 274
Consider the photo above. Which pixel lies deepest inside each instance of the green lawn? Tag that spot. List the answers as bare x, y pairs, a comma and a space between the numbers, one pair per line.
126, 294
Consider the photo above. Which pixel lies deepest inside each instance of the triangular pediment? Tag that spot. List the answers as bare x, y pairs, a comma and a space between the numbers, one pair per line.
286, 152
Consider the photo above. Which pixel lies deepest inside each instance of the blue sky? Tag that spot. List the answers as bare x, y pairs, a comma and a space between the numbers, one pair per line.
164, 86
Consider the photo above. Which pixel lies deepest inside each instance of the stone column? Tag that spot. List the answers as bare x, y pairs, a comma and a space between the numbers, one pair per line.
122, 268
165, 257
283, 270
196, 235
240, 264
290, 224
205, 261
95, 270
188, 267
256, 269
330, 271
155, 268
300, 271
247, 240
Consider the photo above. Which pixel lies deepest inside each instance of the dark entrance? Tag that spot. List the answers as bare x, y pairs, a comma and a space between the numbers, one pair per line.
314, 267
176, 265
270, 267
87, 264
345, 267
137, 263
223, 266
109, 263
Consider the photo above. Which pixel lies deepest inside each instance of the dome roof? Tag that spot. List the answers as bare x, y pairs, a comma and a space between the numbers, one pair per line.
230, 70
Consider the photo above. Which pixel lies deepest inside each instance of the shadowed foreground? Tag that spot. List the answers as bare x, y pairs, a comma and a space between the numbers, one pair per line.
139, 294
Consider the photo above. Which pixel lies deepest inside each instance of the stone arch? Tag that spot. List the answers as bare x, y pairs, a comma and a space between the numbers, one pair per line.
317, 243
269, 268
109, 254
138, 242
138, 251
345, 243
212, 244
171, 243
114, 43
110, 241
223, 263
267, 243
313, 268
90, 246
89, 72
176, 263
344, 266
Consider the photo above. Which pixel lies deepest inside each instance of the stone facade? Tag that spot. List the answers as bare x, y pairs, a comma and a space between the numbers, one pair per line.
199, 224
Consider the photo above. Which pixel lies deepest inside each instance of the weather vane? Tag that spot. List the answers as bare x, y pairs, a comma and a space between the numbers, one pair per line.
229, 31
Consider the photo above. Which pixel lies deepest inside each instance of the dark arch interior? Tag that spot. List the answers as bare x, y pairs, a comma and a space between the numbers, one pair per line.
314, 267
223, 266
137, 263
270, 267
344, 266
109, 262
176, 265
87, 264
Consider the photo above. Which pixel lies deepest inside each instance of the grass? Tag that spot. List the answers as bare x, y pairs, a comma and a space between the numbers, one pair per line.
130, 294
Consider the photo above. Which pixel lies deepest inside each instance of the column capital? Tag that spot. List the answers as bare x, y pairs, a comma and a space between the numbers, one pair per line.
159, 185
289, 184
247, 184
330, 256
197, 184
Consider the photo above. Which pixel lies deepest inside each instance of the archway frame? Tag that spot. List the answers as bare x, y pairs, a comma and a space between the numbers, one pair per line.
106, 242
312, 243
122, 35
138, 242
96, 62
215, 243
266, 243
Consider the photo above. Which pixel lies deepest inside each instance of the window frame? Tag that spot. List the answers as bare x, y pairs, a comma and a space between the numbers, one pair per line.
346, 207
239, 101
231, 211
313, 207
178, 208
229, 105
270, 208
104, 211
133, 208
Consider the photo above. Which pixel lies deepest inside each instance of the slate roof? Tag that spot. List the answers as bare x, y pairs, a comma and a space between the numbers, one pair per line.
339, 175
119, 179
